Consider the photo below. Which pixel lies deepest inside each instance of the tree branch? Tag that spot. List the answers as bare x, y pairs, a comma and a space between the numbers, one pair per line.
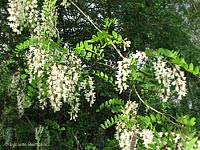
93, 24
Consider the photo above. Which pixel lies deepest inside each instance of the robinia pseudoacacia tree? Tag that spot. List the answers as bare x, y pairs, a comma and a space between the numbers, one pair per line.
54, 75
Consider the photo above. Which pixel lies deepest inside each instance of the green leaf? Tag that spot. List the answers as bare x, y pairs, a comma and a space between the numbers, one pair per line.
114, 34
102, 126
119, 38
191, 67
77, 51
102, 74
153, 118
163, 130
196, 70
83, 53
159, 122
158, 117
192, 122
81, 44
30, 89
30, 94
114, 104
34, 82
89, 55
62, 129
89, 47
26, 70
94, 38
106, 77
183, 63
116, 109
26, 44
23, 76
62, 58
85, 44
192, 143
111, 79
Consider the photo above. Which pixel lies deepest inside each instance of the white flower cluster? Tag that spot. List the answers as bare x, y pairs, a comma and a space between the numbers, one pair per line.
47, 23
38, 134
180, 82
36, 60
124, 68
140, 58
122, 73
170, 78
20, 100
15, 90
23, 13
125, 135
130, 109
57, 86
147, 136
41, 136
88, 86
126, 44
126, 139
58, 83
63, 83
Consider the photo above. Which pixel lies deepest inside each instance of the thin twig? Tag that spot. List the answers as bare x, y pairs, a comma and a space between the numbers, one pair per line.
110, 66
90, 20
86, 16
155, 109
29, 122
77, 142
145, 103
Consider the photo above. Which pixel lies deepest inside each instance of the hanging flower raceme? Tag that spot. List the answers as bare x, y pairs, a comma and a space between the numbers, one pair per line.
140, 58
171, 79
122, 73
23, 13
47, 21
63, 84
124, 68
54, 82
88, 87
36, 60
125, 135
147, 137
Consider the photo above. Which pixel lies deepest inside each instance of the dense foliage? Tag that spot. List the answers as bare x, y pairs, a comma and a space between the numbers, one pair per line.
92, 75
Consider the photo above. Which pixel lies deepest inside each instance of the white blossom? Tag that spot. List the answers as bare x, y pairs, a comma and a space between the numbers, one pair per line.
125, 139
147, 136
55, 83
23, 13
122, 73
169, 79
140, 58
198, 144
177, 138
18, 92
125, 135
88, 86
126, 44
130, 109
